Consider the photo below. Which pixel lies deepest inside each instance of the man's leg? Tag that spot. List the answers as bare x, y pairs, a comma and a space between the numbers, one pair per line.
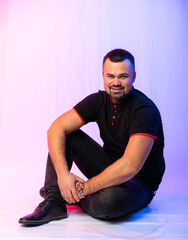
118, 201
52, 208
78, 145
90, 158
87, 154
109, 203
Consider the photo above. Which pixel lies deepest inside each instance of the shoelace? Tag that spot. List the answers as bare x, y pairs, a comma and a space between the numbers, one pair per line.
44, 203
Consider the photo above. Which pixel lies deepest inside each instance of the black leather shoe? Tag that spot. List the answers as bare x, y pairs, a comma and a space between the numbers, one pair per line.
51, 209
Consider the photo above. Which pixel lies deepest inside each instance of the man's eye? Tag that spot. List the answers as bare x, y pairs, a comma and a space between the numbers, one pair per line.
110, 76
123, 77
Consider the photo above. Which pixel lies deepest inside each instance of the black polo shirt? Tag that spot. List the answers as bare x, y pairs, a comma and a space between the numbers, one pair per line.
136, 114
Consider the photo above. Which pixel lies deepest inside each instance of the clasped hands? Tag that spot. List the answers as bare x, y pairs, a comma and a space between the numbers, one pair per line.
67, 187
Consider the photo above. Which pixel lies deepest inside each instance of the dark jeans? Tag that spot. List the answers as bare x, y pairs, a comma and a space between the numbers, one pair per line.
109, 203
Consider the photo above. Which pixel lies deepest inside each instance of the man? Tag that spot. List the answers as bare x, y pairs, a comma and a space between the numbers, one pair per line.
125, 173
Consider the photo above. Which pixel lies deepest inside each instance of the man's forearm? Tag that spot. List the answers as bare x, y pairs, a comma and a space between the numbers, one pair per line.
62, 126
56, 145
113, 175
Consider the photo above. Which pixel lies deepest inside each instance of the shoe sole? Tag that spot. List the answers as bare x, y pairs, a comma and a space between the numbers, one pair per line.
35, 223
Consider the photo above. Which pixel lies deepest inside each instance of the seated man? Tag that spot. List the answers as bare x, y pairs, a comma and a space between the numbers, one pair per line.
125, 173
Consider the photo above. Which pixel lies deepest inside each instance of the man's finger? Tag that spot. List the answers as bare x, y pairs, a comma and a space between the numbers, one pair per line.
75, 195
64, 196
71, 198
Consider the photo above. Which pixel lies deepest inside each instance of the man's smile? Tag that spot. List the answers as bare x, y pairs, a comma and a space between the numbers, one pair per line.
116, 89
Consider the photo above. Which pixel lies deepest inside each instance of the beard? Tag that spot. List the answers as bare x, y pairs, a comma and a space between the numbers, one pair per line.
117, 95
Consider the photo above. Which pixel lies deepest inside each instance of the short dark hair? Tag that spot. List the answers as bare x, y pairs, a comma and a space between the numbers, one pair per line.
119, 55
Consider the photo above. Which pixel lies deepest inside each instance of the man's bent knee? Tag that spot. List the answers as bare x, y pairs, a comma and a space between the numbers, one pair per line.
112, 203
107, 204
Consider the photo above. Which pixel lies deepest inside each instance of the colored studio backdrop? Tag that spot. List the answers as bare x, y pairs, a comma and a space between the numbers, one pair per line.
51, 57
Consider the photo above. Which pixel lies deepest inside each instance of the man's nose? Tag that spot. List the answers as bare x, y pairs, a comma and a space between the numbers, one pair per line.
117, 81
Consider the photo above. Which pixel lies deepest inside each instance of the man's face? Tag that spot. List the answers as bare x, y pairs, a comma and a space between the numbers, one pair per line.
118, 79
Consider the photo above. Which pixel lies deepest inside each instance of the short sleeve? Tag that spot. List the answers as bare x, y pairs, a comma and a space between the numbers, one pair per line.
146, 120
87, 108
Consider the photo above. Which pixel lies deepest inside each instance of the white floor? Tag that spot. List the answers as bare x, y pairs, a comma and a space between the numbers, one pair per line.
165, 218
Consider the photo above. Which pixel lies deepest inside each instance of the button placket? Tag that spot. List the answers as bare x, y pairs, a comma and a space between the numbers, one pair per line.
114, 116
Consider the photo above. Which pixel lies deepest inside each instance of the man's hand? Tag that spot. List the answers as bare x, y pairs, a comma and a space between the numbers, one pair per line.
67, 187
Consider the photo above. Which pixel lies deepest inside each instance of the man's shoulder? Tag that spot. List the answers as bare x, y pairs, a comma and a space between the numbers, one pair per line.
143, 99
100, 93
144, 105
93, 99
100, 96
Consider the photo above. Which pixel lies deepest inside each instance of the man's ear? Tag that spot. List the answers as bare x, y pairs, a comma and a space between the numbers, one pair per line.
134, 77
103, 74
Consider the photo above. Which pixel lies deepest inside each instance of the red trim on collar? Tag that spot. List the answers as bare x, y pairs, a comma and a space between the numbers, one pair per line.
79, 116
144, 134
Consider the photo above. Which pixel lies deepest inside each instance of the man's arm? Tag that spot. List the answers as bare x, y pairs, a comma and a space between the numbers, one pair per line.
65, 124
123, 169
